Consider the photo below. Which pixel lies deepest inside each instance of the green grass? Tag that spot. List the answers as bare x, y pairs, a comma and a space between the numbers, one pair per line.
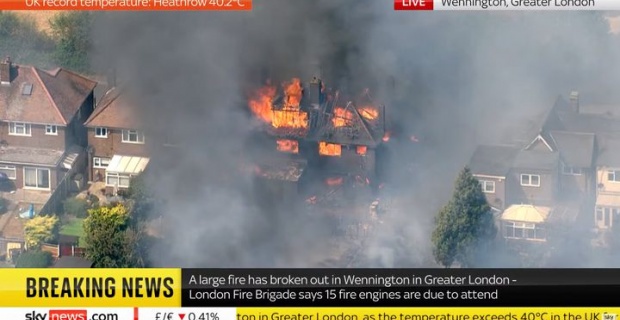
74, 228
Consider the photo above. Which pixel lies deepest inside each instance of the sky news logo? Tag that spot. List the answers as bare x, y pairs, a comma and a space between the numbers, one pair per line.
58, 315
413, 4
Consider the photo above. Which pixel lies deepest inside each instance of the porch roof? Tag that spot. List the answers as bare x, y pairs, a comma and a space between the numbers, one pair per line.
127, 164
608, 200
526, 213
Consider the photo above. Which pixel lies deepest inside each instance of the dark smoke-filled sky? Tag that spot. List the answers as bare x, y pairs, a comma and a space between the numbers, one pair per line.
458, 79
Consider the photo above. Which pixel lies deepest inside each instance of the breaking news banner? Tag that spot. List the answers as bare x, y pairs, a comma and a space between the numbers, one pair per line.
533, 5
128, 5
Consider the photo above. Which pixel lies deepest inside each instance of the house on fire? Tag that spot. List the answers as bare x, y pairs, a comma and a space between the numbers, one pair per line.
42, 133
117, 144
313, 128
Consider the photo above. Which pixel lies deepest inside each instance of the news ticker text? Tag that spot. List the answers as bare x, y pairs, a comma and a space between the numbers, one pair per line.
78, 313
309, 287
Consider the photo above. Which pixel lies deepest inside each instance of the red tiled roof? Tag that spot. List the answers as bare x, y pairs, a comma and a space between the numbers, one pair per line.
55, 98
114, 111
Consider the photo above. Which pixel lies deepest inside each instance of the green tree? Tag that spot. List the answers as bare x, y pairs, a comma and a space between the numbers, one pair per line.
34, 259
141, 199
465, 227
72, 32
41, 229
109, 237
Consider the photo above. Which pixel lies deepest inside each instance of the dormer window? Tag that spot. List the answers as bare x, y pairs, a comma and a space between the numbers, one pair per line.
101, 132
19, 129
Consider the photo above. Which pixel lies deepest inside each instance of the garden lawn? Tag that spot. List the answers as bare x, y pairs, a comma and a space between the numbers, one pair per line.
74, 228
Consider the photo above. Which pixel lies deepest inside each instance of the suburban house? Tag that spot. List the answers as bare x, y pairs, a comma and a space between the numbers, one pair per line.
608, 177
555, 177
116, 142
42, 133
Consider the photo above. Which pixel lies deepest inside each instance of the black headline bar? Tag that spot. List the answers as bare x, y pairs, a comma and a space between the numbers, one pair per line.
400, 287
517, 296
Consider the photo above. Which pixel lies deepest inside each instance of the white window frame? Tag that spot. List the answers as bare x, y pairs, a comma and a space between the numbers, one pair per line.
605, 215
126, 136
100, 162
117, 176
51, 130
13, 169
485, 184
613, 175
101, 132
37, 170
529, 182
26, 127
524, 228
571, 171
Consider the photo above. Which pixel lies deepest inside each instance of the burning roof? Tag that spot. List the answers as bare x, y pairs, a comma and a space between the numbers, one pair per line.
347, 126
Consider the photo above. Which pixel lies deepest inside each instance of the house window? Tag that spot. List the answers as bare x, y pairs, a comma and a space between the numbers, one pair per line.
605, 215
613, 175
530, 180
51, 130
100, 163
488, 186
10, 171
19, 129
133, 136
120, 180
101, 132
36, 178
521, 230
571, 171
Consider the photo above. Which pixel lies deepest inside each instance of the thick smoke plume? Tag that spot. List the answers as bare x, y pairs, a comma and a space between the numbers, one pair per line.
452, 79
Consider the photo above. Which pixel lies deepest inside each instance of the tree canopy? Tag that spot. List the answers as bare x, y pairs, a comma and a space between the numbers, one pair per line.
465, 227
72, 33
109, 238
41, 229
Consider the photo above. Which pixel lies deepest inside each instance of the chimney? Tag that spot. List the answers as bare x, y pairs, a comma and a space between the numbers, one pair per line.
5, 71
314, 93
574, 101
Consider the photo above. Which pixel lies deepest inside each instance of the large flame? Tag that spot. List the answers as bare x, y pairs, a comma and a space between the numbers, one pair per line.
293, 93
262, 103
369, 113
286, 145
290, 116
342, 117
330, 149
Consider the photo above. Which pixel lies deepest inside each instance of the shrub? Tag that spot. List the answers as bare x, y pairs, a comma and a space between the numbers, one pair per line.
76, 207
34, 259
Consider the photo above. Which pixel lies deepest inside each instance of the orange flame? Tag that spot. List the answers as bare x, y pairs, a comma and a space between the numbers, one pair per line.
290, 116
311, 200
386, 136
262, 103
361, 150
290, 146
334, 181
369, 113
293, 92
342, 117
330, 149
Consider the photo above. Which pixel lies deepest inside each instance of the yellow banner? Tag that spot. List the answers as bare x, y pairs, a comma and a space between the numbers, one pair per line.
421, 313
90, 287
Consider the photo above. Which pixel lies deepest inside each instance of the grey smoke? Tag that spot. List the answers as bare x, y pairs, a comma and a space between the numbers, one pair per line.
459, 79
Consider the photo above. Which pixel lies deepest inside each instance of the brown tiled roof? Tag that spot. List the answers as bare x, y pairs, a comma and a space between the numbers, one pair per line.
55, 98
114, 111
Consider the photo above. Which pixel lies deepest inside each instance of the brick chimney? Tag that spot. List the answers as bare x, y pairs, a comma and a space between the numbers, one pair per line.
5, 71
314, 93
574, 101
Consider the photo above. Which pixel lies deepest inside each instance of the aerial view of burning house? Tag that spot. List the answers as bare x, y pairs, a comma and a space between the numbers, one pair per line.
319, 143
